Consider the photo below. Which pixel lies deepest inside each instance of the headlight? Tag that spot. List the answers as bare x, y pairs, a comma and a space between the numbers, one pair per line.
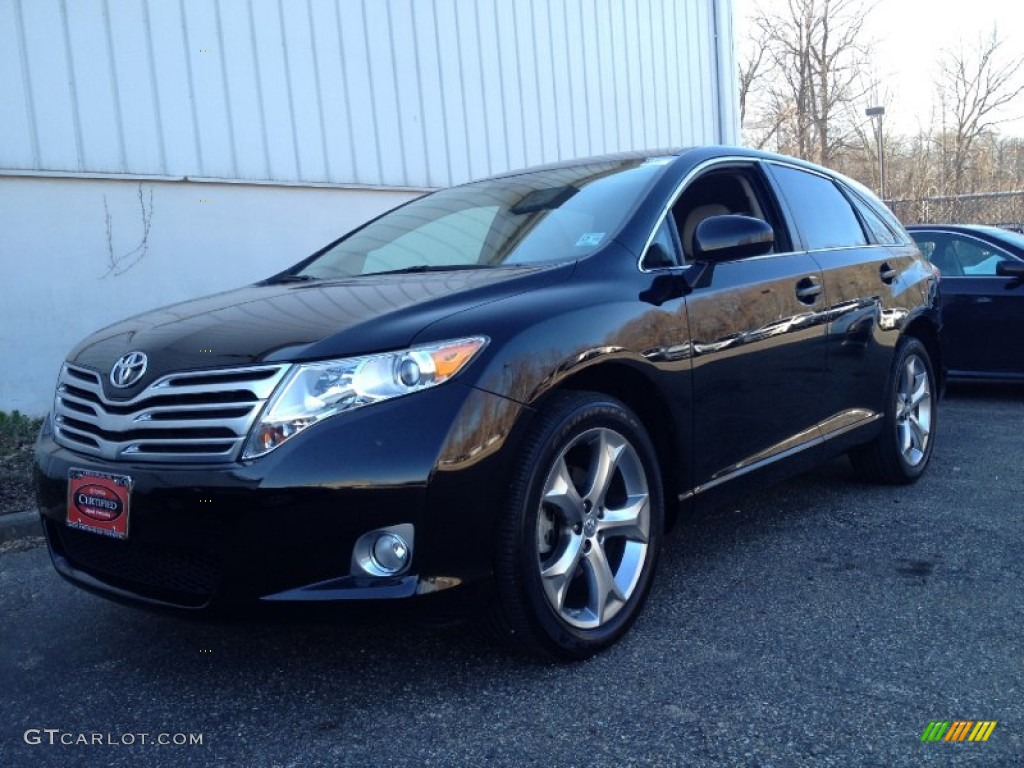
312, 392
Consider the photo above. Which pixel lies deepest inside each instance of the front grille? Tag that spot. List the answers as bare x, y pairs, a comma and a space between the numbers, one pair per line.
180, 576
193, 416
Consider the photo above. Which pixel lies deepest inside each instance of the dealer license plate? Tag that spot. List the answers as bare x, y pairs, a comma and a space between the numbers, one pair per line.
98, 502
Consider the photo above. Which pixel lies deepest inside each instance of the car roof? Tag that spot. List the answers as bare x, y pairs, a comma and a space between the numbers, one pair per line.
592, 160
708, 150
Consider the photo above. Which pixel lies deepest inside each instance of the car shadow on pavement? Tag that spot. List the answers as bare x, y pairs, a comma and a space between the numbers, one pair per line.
360, 640
451, 631
978, 390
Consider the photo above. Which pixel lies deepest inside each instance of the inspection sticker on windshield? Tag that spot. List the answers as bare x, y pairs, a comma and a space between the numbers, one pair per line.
98, 502
590, 239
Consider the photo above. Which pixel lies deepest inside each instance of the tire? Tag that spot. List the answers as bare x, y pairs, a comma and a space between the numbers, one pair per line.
901, 452
579, 537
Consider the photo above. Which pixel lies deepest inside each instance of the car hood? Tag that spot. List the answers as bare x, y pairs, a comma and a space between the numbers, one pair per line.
301, 321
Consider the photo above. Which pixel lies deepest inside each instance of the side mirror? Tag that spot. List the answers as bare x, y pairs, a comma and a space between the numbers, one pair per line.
731, 237
1010, 269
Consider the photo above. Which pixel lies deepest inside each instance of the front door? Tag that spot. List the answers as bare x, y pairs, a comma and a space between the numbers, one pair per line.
757, 339
982, 311
758, 346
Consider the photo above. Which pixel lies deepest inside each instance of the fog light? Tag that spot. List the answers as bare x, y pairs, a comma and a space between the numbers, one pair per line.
390, 553
383, 552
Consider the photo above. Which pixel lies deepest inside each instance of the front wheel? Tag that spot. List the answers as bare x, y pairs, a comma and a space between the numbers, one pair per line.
901, 452
580, 536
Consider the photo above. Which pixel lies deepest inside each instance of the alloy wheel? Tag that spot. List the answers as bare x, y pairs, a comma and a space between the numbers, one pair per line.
913, 410
593, 528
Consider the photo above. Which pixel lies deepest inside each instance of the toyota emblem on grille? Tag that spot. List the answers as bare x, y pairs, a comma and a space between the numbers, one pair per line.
129, 369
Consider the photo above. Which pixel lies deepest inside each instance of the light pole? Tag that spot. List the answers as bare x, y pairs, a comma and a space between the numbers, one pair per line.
878, 112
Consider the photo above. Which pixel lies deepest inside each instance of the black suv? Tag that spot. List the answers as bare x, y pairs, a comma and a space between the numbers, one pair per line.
514, 384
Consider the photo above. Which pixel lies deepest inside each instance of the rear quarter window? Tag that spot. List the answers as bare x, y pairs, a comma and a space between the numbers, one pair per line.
881, 231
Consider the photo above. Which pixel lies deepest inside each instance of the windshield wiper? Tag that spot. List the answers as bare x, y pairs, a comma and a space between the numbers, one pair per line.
430, 268
292, 279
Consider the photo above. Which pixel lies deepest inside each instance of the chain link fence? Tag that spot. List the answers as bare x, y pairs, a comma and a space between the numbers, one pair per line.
998, 209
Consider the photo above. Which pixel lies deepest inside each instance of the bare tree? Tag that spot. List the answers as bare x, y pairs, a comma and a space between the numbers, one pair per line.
805, 78
817, 52
753, 66
975, 85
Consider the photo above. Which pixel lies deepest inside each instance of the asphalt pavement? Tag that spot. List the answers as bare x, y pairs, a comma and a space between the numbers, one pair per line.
822, 623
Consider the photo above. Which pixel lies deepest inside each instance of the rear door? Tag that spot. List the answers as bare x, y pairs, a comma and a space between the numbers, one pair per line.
863, 282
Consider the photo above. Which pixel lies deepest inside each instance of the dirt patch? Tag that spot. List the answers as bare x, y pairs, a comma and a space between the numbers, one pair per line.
17, 437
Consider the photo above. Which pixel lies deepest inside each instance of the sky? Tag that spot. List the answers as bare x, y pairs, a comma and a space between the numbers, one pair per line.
908, 37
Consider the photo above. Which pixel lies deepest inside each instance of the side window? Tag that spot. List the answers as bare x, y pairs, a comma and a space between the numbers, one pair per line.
663, 251
975, 258
821, 212
736, 189
938, 249
886, 215
880, 231
926, 246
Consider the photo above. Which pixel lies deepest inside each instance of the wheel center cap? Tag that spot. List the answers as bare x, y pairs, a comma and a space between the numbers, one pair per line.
589, 526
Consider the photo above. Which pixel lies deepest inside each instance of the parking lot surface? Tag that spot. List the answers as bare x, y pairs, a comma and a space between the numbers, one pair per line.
825, 622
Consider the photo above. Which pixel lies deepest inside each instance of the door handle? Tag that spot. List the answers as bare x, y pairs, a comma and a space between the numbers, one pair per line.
808, 289
887, 273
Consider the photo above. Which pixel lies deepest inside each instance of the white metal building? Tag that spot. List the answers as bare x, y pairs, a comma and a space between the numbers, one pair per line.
156, 150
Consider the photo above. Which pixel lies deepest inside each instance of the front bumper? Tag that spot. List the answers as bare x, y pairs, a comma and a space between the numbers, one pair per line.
283, 527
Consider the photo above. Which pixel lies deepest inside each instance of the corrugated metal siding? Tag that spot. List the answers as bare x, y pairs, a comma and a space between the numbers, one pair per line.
411, 93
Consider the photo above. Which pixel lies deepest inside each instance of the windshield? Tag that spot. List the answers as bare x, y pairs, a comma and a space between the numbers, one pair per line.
530, 218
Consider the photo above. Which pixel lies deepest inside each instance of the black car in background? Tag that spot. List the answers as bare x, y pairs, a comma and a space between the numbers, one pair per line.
982, 297
508, 388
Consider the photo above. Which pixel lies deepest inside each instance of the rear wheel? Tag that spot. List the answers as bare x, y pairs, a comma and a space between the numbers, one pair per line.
580, 535
901, 452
